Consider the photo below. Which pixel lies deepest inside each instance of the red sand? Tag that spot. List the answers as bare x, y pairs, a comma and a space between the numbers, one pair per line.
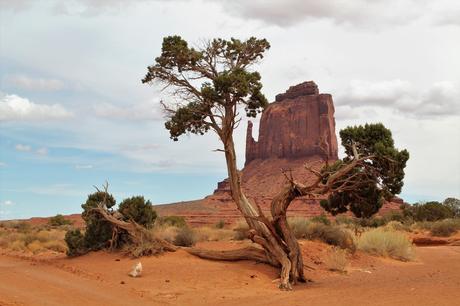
182, 279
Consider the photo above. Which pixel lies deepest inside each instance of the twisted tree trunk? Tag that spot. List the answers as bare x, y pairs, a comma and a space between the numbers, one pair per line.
278, 245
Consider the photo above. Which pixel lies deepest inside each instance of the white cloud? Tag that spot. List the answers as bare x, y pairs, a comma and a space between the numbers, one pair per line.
16, 5
42, 151
26, 148
23, 148
7, 203
359, 13
80, 167
149, 110
440, 99
446, 12
16, 108
56, 189
39, 84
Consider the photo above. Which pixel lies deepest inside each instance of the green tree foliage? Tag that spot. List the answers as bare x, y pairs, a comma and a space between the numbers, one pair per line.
138, 210
379, 177
454, 205
98, 230
211, 80
75, 241
59, 220
429, 211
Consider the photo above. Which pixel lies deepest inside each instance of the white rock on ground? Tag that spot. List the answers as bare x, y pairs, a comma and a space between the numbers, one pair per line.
136, 270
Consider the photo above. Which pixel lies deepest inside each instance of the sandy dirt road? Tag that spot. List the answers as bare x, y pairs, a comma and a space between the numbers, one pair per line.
181, 279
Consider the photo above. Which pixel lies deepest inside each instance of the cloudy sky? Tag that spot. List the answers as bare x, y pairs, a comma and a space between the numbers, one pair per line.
73, 112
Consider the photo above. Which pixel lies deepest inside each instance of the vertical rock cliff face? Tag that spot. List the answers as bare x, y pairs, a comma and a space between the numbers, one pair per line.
299, 124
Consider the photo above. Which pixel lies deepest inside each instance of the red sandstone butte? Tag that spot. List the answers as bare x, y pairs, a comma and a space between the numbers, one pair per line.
295, 126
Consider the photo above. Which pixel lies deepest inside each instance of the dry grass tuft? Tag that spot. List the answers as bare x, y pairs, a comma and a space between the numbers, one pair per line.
387, 243
240, 230
213, 234
337, 260
185, 237
299, 226
17, 237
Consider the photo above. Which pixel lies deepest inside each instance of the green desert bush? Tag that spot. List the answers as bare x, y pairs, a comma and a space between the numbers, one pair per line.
387, 244
75, 243
330, 234
98, 231
59, 220
445, 228
430, 211
139, 210
185, 237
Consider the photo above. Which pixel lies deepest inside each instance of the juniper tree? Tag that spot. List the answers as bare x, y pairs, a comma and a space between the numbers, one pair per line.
213, 83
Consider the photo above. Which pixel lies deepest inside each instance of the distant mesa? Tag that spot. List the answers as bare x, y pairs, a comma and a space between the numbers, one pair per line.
299, 124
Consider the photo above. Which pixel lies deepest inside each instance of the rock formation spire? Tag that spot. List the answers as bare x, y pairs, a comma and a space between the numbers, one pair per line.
300, 123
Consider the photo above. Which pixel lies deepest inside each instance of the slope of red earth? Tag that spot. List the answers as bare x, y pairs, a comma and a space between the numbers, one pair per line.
182, 279
262, 180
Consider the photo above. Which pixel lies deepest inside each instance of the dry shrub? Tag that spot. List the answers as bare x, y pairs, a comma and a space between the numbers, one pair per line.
445, 228
299, 226
142, 249
212, 234
220, 224
330, 234
337, 260
185, 237
34, 240
19, 226
18, 245
387, 243
397, 226
56, 245
241, 230
165, 232
35, 247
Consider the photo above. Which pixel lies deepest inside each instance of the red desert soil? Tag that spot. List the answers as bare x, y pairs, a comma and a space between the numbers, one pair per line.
181, 279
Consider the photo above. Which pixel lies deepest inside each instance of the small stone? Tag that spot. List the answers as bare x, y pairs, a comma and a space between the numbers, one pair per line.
136, 270
122, 282
167, 280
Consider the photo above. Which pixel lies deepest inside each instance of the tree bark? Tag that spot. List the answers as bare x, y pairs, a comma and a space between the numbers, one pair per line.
275, 237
